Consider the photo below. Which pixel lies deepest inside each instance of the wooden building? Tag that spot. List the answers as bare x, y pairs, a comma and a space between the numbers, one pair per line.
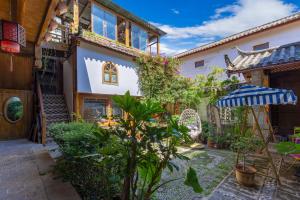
78, 54
17, 89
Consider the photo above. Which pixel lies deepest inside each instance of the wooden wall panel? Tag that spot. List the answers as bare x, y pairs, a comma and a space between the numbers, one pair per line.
20, 129
21, 76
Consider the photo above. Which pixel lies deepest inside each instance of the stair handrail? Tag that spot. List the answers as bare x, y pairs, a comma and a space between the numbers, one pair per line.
42, 111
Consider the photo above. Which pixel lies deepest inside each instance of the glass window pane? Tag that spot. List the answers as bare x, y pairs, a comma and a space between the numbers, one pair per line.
135, 36
98, 17
113, 78
111, 22
143, 40
106, 77
116, 110
94, 109
139, 38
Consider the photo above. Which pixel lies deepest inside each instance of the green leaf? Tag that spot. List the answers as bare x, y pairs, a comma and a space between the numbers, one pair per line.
191, 180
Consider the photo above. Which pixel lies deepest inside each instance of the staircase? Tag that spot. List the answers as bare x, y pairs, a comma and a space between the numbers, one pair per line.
55, 109
56, 112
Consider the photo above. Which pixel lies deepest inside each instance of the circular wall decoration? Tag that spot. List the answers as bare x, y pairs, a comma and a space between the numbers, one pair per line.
13, 109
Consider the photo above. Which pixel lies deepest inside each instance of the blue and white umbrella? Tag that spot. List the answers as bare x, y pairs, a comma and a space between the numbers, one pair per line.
251, 95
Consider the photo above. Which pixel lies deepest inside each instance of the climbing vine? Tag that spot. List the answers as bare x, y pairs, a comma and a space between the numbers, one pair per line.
159, 78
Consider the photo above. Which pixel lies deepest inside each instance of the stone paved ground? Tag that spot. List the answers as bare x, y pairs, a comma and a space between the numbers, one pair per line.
25, 174
214, 169
266, 188
211, 166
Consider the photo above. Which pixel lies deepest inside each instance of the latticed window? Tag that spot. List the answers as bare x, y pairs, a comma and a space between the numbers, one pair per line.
110, 73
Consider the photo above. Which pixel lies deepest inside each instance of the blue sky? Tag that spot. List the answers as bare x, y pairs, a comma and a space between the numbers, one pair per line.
192, 23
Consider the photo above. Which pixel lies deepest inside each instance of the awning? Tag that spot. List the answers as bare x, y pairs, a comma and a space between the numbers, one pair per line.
251, 95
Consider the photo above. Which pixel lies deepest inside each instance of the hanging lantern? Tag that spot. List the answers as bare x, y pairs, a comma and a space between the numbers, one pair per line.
12, 36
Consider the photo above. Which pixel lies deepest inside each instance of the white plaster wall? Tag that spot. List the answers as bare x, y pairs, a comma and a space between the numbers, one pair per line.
215, 57
68, 84
90, 60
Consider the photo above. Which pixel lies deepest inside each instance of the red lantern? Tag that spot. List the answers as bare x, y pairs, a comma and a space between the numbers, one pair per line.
12, 36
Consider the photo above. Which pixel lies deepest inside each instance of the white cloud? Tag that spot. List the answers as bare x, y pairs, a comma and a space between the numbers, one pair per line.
175, 11
169, 50
227, 20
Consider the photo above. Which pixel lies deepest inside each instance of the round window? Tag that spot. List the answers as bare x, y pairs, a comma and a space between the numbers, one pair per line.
13, 109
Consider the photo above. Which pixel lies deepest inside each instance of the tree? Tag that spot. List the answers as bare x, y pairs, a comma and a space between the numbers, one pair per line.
150, 147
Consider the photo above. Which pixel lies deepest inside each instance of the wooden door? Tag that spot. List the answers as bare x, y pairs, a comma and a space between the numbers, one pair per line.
286, 117
12, 128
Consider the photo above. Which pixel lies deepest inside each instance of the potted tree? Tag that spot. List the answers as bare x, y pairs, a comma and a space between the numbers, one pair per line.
244, 145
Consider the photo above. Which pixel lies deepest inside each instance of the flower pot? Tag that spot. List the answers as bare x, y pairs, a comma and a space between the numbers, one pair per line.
211, 143
245, 177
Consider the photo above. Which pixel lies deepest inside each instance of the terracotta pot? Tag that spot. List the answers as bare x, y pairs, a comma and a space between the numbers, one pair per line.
211, 143
245, 177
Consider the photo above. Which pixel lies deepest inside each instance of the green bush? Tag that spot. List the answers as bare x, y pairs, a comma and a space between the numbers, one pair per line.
92, 159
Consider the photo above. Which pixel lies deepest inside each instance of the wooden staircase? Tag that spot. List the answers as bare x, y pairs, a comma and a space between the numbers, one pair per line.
55, 109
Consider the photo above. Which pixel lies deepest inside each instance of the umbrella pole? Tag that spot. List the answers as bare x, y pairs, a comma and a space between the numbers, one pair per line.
266, 145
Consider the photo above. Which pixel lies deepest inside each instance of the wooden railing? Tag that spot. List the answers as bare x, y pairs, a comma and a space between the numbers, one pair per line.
41, 113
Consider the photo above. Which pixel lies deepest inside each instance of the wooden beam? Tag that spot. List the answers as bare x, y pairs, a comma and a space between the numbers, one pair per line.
20, 11
83, 9
49, 15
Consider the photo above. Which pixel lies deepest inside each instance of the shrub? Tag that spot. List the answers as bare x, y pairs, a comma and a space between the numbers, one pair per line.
92, 159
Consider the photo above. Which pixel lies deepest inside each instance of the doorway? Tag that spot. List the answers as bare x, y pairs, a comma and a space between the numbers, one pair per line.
286, 117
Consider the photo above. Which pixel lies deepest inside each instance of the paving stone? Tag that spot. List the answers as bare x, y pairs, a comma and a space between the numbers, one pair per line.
21, 166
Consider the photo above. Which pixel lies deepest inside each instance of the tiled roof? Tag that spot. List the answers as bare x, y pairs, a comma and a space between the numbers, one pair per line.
248, 32
264, 58
107, 43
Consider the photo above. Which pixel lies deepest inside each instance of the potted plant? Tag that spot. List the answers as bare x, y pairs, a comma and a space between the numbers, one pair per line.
211, 141
245, 144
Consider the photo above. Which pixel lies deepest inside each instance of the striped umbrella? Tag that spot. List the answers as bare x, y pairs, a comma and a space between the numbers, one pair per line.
251, 95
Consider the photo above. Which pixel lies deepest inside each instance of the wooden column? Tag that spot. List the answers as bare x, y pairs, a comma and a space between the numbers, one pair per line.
158, 46
75, 25
127, 34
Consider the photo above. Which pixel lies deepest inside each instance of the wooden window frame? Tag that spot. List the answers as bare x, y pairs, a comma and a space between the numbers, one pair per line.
110, 74
202, 62
106, 10
105, 100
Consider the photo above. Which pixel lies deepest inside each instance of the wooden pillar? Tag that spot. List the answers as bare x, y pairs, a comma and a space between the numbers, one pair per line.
75, 25
127, 34
158, 46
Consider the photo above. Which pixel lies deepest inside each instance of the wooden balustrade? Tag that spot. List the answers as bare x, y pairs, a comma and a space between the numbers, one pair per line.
42, 114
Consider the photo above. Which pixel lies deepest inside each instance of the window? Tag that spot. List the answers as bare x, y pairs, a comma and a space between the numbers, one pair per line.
94, 109
199, 63
110, 73
139, 38
104, 23
261, 46
116, 110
